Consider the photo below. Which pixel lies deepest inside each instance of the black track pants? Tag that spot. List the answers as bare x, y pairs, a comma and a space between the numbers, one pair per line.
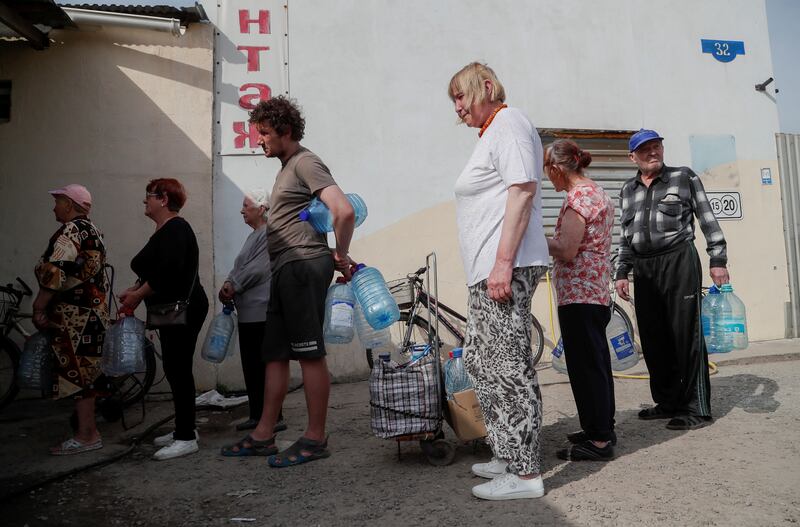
667, 296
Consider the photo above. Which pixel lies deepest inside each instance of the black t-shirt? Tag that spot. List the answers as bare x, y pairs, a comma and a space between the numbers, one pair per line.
168, 263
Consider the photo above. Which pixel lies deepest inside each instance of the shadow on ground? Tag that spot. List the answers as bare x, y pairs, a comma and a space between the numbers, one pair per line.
751, 393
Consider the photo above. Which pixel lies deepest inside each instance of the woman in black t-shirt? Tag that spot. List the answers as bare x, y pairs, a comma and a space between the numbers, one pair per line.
167, 270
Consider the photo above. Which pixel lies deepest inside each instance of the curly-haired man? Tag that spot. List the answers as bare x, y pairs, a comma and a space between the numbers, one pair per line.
302, 269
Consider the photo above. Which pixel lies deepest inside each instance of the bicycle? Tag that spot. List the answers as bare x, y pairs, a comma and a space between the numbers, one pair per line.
122, 391
10, 317
414, 328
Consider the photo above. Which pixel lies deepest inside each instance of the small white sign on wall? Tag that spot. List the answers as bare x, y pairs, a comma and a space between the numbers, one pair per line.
726, 205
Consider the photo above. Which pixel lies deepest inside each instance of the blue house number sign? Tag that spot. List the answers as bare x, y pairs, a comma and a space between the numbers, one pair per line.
723, 50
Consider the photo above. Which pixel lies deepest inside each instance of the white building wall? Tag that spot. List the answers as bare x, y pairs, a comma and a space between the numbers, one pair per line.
372, 79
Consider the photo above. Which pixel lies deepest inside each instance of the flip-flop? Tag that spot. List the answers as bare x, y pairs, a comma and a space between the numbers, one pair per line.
250, 447
302, 451
73, 446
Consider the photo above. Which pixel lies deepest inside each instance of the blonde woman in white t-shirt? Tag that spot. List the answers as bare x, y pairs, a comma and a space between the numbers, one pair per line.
499, 213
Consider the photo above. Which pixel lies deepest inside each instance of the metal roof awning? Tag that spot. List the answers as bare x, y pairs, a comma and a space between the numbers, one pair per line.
32, 20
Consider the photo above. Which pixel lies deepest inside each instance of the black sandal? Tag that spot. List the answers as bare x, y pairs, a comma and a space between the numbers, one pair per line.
302, 451
580, 436
689, 422
250, 447
656, 412
586, 451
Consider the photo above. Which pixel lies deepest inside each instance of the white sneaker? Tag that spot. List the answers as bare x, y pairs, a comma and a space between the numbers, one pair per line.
492, 469
509, 486
178, 448
167, 439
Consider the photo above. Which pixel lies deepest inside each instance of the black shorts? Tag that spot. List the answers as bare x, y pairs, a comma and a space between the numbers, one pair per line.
296, 310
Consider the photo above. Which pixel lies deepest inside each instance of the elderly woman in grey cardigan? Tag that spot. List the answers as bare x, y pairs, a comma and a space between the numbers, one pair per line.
248, 286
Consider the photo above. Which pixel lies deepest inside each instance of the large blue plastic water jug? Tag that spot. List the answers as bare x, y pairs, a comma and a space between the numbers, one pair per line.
731, 321
123, 348
379, 306
220, 336
456, 378
338, 326
370, 337
557, 359
620, 344
708, 319
35, 363
320, 217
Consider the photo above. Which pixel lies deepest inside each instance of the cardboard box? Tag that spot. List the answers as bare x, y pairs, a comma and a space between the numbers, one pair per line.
466, 416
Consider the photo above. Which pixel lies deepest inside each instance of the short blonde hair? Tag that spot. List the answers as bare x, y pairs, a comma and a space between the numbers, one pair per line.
470, 80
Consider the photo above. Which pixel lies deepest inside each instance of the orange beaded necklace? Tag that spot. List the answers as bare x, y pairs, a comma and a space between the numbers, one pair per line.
491, 118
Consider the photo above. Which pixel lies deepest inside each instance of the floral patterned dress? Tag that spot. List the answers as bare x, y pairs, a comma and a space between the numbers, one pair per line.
585, 279
72, 267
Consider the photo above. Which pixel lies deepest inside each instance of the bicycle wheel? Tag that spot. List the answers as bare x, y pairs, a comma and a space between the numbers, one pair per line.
131, 388
9, 361
617, 310
537, 340
421, 333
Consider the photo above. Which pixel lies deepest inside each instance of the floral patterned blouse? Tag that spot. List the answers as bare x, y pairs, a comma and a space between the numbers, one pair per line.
585, 279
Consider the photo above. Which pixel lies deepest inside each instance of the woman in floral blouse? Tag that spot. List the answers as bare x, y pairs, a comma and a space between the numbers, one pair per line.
581, 250
71, 307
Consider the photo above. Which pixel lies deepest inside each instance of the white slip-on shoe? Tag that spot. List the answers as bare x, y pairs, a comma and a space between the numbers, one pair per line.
177, 449
167, 439
509, 487
492, 469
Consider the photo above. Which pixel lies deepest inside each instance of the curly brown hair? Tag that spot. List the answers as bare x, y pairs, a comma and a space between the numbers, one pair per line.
282, 114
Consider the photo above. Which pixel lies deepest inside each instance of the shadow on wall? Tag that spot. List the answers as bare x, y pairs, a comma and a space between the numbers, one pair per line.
110, 109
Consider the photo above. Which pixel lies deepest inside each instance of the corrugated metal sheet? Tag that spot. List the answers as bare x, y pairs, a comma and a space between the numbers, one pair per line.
42, 12
186, 15
610, 168
789, 168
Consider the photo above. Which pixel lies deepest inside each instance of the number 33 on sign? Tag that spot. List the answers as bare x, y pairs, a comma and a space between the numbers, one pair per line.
725, 205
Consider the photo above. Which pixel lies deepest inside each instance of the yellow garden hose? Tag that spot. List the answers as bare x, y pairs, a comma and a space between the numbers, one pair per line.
712, 367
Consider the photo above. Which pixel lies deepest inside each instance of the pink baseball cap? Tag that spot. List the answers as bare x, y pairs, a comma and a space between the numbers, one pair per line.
77, 193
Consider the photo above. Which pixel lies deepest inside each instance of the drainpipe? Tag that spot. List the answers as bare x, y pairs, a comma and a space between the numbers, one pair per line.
104, 18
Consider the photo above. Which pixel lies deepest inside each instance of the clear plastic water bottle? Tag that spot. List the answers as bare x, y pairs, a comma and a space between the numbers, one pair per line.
731, 321
35, 363
557, 360
379, 306
320, 217
370, 338
123, 347
456, 378
708, 318
338, 325
620, 344
219, 336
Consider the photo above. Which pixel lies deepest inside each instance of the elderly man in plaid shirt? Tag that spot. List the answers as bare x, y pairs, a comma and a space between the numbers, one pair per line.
657, 219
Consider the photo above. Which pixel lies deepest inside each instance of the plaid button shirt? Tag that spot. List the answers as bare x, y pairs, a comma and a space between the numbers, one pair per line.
661, 217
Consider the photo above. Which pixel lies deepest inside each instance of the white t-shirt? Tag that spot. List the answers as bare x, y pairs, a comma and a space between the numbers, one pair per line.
509, 153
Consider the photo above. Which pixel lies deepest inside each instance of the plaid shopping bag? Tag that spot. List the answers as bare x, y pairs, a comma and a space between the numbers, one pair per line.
405, 399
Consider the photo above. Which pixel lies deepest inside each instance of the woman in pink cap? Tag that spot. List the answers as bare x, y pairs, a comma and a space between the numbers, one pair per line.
71, 306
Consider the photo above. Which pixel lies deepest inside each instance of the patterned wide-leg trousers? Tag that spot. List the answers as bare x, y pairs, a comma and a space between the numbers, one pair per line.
497, 355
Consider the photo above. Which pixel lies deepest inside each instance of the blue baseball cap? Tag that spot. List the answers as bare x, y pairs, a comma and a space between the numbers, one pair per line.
641, 137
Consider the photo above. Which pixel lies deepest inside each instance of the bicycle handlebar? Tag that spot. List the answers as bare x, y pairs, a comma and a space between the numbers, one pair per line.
25, 289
